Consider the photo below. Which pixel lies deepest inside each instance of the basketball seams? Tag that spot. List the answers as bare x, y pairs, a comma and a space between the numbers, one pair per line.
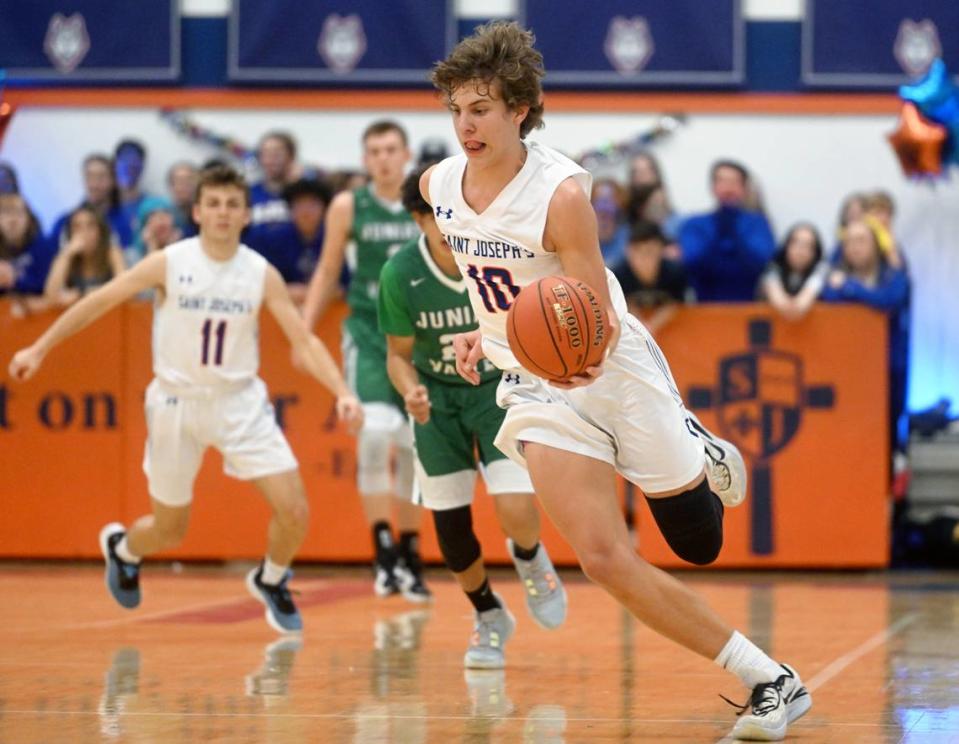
588, 321
543, 306
512, 330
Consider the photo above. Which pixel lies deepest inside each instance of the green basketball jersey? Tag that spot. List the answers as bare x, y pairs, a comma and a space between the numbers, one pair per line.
418, 299
378, 232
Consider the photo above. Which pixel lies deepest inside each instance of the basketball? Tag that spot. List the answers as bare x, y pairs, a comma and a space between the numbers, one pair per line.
557, 327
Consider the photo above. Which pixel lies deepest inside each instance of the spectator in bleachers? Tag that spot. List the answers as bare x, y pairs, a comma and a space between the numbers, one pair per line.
880, 209
609, 204
158, 217
650, 203
294, 249
726, 251
654, 285
644, 170
87, 260
432, 151
866, 276
100, 193
277, 157
182, 178
852, 209
796, 277
129, 161
9, 184
25, 254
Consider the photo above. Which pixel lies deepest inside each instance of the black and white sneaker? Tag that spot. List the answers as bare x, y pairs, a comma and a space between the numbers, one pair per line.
409, 577
281, 613
385, 581
725, 467
771, 707
122, 578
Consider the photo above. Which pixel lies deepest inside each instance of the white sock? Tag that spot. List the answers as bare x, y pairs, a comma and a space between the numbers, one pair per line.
123, 552
747, 661
272, 573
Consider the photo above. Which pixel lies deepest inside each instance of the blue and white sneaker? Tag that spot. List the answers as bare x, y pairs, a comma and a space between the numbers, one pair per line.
545, 594
491, 631
281, 613
122, 578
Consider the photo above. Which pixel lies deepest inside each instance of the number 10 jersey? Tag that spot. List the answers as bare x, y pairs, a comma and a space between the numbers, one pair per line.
500, 251
206, 327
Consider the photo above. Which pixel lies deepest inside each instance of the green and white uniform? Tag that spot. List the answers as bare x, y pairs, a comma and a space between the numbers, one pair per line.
379, 230
417, 299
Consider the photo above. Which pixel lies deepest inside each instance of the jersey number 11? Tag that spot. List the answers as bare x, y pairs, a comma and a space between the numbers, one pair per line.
220, 333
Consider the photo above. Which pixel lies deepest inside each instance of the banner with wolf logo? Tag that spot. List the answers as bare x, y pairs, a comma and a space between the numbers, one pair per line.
639, 43
339, 41
90, 41
847, 43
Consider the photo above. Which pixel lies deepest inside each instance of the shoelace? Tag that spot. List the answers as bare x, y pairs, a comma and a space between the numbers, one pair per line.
765, 698
721, 474
282, 596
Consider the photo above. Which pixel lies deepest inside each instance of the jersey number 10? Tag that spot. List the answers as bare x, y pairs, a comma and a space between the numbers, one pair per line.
495, 286
220, 333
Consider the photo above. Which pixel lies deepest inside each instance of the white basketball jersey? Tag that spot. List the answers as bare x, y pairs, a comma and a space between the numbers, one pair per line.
206, 330
501, 250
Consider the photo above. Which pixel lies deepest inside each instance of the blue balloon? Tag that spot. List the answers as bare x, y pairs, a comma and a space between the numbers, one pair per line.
935, 95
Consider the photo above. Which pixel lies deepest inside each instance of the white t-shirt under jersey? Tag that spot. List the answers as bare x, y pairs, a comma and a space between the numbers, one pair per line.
205, 331
501, 250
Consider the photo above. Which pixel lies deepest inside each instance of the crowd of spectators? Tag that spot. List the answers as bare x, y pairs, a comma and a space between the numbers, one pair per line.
662, 258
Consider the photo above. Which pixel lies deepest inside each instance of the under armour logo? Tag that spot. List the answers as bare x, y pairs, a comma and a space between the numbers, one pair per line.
511, 378
447, 213
171, 400
186, 279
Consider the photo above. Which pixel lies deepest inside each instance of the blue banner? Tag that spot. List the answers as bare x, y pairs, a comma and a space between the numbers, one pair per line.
877, 44
639, 43
90, 40
339, 41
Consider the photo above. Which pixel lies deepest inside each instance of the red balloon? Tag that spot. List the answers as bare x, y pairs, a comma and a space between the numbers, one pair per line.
918, 143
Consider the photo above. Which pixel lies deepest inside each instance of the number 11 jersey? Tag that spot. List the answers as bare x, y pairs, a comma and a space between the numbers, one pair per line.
206, 328
501, 250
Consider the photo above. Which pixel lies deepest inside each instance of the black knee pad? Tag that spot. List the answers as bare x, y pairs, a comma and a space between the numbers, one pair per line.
692, 523
458, 543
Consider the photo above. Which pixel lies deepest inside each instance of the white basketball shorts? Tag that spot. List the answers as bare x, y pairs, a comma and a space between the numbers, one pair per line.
632, 417
239, 423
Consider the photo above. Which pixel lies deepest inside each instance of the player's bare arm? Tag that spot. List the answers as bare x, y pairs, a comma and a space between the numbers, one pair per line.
314, 354
572, 233
405, 378
324, 282
149, 273
468, 347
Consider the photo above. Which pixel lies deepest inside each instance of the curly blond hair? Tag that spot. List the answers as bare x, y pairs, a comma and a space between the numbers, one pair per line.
503, 53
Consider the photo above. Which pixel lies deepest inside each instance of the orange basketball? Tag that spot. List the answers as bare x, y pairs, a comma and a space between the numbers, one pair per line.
557, 328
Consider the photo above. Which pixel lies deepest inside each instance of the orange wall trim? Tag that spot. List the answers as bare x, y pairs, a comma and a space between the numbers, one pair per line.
424, 100
803, 400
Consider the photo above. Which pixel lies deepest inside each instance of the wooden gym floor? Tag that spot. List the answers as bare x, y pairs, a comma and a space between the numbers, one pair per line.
880, 653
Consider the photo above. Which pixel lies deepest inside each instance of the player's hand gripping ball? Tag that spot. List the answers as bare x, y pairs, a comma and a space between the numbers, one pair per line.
557, 327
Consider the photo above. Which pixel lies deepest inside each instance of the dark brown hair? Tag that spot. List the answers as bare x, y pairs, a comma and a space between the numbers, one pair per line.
101, 256
10, 249
284, 138
500, 52
413, 201
221, 175
382, 126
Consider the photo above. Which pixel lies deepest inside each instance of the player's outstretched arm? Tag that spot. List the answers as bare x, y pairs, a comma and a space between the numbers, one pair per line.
314, 354
149, 273
323, 283
405, 378
571, 231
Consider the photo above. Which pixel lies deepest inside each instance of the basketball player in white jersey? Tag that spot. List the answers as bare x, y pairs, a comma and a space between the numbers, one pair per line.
513, 212
206, 392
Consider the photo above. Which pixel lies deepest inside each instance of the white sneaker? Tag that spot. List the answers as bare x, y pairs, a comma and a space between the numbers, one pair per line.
725, 467
545, 594
491, 631
771, 707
